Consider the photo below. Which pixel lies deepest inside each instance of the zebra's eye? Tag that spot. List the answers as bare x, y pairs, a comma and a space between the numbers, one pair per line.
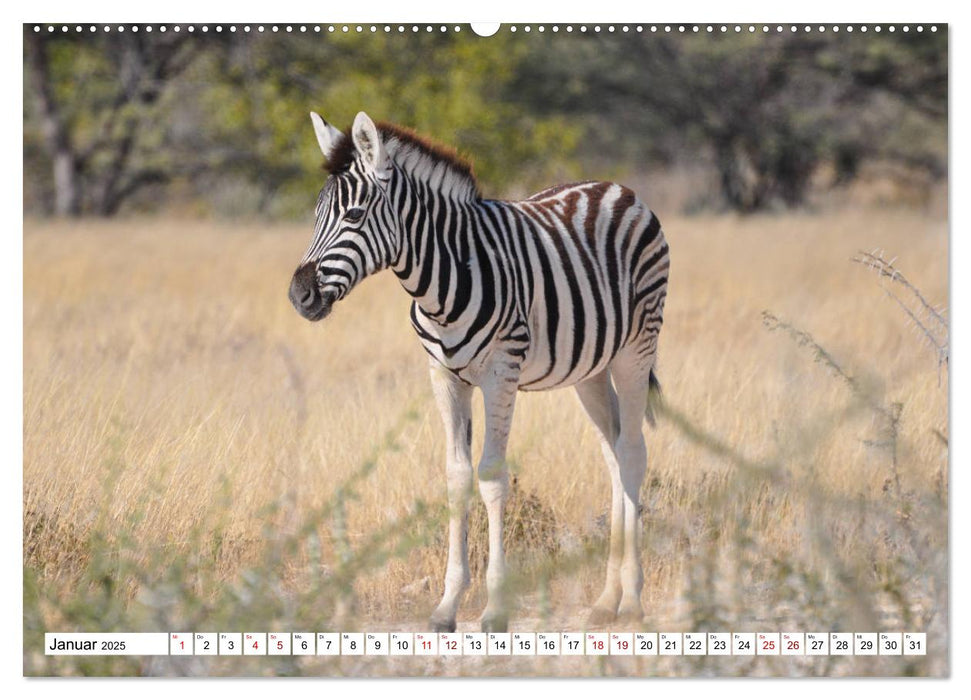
354, 214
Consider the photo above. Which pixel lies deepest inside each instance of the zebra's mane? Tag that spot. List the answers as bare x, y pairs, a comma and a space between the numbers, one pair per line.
421, 158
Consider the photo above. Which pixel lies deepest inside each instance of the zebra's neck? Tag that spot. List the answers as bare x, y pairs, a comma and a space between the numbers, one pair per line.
441, 247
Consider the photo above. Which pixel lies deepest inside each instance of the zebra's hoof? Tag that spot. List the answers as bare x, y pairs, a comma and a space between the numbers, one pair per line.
495, 624
439, 626
632, 614
599, 617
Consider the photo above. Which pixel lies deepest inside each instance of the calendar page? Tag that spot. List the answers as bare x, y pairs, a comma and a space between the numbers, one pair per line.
492, 350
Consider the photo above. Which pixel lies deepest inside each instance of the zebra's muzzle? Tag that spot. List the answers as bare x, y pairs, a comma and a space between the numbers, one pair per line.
306, 297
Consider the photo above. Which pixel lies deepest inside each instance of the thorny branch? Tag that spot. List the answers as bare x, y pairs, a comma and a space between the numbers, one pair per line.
930, 321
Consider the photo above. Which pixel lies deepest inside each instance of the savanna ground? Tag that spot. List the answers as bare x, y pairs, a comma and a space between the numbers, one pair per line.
197, 457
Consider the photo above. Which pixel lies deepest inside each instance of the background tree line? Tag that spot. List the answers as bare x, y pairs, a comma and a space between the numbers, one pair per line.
216, 124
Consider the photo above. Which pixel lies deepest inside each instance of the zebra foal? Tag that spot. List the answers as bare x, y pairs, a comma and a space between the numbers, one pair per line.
565, 288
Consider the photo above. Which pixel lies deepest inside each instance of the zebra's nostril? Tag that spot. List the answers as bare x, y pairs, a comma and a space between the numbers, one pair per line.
304, 294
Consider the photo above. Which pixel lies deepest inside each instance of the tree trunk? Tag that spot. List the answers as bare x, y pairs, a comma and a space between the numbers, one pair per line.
67, 196
738, 179
64, 160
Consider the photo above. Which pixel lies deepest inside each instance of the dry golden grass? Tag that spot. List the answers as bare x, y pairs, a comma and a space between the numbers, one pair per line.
172, 394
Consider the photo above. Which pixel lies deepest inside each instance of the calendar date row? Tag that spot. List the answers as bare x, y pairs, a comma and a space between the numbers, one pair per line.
491, 644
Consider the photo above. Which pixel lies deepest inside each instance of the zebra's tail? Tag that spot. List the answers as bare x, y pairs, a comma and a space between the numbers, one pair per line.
653, 398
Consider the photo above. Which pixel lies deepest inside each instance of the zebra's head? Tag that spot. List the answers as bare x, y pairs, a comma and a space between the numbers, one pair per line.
355, 231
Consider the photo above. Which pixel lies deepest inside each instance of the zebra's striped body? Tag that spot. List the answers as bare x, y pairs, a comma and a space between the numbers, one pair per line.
566, 288
567, 279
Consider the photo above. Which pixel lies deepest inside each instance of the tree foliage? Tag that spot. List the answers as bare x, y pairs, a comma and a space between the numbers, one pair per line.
764, 111
218, 122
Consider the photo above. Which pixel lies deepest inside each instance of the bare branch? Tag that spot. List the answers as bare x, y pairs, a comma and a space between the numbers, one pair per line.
925, 317
875, 261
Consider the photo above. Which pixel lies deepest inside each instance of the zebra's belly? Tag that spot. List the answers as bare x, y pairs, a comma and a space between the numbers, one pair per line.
536, 378
536, 372
574, 338
543, 370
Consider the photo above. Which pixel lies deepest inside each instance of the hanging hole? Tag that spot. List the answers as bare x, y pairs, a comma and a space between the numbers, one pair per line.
485, 28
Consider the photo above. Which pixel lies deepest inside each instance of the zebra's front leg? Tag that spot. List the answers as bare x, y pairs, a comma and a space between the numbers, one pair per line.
499, 398
454, 398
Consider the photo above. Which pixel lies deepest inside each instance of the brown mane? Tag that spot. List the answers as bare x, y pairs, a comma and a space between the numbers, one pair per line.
344, 152
341, 155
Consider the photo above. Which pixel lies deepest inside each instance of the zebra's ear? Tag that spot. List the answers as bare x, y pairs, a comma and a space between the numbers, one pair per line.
368, 143
327, 136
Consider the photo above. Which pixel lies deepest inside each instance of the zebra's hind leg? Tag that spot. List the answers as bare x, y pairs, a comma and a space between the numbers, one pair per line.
454, 400
600, 402
632, 380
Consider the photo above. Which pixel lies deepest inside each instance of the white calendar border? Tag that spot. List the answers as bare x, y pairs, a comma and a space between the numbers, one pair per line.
11, 645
